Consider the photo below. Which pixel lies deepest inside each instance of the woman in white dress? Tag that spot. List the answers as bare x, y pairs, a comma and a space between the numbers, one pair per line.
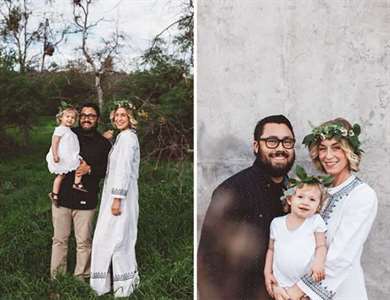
349, 214
116, 229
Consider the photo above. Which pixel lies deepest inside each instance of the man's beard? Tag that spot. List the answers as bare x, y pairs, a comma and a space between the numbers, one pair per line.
275, 170
87, 130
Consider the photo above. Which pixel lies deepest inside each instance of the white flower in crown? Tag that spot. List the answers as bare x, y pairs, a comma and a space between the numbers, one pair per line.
287, 193
351, 133
344, 132
322, 136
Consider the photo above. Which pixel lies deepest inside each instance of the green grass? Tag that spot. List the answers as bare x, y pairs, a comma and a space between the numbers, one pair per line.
164, 246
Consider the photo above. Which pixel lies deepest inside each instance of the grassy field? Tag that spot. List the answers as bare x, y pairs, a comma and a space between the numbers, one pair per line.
164, 246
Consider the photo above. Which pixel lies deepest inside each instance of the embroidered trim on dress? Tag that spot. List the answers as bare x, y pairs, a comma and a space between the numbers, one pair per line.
125, 276
336, 197
99, 275
120, 192
317, 287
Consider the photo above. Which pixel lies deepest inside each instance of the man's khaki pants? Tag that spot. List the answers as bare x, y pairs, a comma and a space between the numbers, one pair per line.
62, 224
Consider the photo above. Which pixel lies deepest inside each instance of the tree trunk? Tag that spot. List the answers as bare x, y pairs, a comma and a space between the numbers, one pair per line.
43, 62
99, 89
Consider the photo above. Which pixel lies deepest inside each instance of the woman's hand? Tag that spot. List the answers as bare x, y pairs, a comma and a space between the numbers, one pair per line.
270, 280
116, 207
280, 293
56, 158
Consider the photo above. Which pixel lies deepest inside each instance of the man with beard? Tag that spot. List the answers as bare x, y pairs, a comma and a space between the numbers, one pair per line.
76, 206
235, 231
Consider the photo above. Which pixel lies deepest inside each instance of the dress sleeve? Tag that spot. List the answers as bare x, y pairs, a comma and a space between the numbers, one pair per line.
346, 246
59, 131
272, 229
124, 167
319, 224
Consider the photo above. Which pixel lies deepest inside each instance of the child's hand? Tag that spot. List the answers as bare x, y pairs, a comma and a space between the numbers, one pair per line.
56, 158
318, 271
116, 207
280, 293
109, 134
269, 281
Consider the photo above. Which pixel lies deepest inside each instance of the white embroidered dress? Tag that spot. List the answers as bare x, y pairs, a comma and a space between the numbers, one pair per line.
115, 236
349, 215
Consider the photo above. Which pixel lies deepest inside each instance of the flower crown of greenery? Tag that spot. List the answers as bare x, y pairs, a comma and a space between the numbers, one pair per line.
301, 177
64, 106
335, 130
122, 103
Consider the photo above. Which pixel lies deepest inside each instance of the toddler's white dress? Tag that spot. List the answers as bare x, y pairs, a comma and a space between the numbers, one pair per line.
294, 249
68, 151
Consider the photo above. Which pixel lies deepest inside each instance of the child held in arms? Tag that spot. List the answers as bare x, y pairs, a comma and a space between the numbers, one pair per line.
63, 156
297, 243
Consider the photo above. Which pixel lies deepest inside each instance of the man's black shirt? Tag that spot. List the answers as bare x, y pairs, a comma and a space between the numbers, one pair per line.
235, 236
94, 149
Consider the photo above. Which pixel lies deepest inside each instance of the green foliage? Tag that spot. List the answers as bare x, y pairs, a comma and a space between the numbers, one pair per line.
303, 178
164, 246
163, 97
161, 89
19, 101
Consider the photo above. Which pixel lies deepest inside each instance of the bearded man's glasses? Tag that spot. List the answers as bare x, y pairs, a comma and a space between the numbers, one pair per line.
273, 142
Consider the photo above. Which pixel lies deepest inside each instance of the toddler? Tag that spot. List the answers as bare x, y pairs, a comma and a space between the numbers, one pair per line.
63, 156
297, 243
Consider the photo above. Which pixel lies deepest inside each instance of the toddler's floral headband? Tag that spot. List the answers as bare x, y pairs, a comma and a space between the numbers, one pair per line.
337, 131
301, 177
65, 105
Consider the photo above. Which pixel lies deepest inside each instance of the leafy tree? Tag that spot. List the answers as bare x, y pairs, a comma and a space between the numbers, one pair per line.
19, 102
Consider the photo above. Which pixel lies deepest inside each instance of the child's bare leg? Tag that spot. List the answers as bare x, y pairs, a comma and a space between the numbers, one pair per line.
57, 183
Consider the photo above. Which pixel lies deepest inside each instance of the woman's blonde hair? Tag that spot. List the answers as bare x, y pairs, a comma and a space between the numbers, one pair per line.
324, 195
352, 157
133, 122
60, 114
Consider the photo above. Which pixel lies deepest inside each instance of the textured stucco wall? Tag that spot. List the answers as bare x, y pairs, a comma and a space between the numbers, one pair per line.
310, 60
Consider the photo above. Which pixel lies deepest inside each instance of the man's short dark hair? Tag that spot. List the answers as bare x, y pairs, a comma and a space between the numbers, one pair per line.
278, 119
93, 105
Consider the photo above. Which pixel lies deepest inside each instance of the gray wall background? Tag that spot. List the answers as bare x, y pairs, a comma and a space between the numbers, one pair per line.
310, 60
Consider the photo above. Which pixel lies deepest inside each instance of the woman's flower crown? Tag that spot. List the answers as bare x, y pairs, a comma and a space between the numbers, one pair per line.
335, 130
301, 177
123, 103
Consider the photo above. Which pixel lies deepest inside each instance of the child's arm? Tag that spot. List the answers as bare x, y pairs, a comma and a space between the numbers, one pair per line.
55, 141
318, 266
270, 280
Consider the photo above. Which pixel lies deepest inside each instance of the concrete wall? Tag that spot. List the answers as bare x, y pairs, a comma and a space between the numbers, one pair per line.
310, 60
